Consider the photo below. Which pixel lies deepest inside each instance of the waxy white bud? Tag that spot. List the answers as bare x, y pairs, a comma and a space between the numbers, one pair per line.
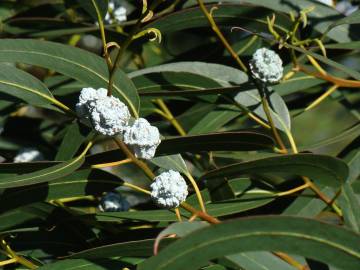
169, 189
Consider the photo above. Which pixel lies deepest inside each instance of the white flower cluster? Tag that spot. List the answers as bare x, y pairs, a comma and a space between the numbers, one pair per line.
117, 13
169, 189
266, 66
28, 155
142, 138
109, 116
113, 202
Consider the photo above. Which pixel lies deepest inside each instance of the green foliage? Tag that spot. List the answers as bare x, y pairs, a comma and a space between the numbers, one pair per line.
273, 171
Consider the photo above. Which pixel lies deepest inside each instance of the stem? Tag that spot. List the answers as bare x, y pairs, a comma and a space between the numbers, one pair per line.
197, 192
170, 117
217, 31
134, 187
111, 164
6, 262
126, 44
134, 159
294, 190
200, 214
331, 90
290, 260
266, 108
178, 215
18, 258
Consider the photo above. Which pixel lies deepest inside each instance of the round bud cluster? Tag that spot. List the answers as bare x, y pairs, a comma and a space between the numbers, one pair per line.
108, 115
118, 13
169, 189
266, 66
113, 202
28, 155
142, 138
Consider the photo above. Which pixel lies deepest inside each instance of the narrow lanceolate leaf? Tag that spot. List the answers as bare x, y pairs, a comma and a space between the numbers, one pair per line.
142, 248
353, 18
325, 170
349, 203
22, 85
80, 183
228, 141
256, 261
73, 62
80, 264
299, 236
44, 175
224, 75
75, 135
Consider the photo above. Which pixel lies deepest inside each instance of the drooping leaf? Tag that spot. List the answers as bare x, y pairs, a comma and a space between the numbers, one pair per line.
22, 85
73, 62
224, 75
44, 175
304, 237
325, 170
75, 135
80, 183
225, 141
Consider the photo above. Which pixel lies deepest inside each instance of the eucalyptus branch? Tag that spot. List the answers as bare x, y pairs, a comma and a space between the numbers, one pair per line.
127, 42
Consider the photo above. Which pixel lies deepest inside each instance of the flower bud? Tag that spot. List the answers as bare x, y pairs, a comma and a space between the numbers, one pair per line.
142, 138
113, 202
169, 189
266, 66
108, 115
28, 155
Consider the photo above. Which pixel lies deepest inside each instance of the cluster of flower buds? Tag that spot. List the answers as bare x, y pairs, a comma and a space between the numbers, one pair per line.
109, 116
169, 189
113, 202
266, 66
117, 13
28, 155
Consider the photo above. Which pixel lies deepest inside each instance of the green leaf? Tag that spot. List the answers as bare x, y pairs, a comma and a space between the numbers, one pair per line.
70, 61
354, 45
321, 18
231, 141
142, 248
325, 170
292, 235
256, 261
224, 75
279, 112
44, 175
254, 18
24, 86
75, 135
349, 203
33, 212
171, 162
214, 120
80, 264
353, 18
88, 6
80, 183
308, 205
